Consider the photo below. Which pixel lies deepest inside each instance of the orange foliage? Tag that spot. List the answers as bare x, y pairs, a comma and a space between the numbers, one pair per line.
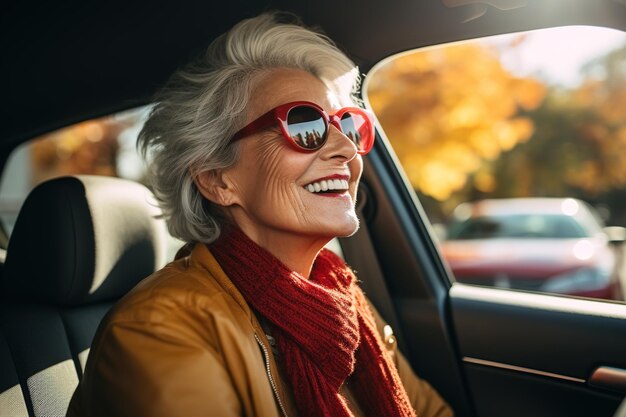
447, 110
605, 133
85, 148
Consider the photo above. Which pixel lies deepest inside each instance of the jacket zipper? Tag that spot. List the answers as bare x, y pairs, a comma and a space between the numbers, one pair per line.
269, 374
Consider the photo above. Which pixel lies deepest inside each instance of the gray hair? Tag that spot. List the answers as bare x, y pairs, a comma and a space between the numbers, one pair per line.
188, 130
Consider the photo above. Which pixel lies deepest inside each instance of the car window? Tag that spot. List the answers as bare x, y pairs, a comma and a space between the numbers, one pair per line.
518, 226
516, 148
103, 146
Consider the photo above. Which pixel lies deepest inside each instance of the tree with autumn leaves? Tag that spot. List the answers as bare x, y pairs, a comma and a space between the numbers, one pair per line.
89, 147
579, 145
464, 127
447, 110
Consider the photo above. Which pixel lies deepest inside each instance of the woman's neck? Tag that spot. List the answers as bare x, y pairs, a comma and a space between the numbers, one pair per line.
296, 252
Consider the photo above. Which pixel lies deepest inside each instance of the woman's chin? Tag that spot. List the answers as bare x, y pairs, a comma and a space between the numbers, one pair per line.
350, 230
346, 228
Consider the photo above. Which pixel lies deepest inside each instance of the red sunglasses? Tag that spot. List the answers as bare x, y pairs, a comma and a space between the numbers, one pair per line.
305, 125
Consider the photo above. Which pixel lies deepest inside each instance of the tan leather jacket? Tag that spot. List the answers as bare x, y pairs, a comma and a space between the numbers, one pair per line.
185, 343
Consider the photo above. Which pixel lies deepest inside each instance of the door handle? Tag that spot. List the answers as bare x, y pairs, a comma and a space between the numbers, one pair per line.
608, 377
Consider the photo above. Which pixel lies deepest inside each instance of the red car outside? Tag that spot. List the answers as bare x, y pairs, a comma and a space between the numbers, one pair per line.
554, 245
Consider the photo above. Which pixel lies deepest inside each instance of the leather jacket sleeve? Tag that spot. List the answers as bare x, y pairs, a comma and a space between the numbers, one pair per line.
154, 369
424, 398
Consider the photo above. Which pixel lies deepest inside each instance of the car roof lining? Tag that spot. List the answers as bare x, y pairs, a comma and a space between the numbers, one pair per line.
109, 57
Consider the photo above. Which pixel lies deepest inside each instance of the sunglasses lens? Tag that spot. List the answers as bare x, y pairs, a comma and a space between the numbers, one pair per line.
306, 127
357, 127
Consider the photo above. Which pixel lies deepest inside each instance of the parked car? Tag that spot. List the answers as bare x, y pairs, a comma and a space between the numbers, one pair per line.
554, 245
490, 352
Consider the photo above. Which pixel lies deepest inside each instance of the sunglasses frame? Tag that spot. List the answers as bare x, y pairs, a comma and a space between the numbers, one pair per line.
280, 114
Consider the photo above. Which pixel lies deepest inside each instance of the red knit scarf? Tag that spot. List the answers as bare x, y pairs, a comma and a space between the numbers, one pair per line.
324, 329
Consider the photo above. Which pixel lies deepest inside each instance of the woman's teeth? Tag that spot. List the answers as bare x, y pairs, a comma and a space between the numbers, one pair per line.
327, 185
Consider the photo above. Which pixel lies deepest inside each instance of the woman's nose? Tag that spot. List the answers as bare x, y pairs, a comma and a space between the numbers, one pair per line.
338, 145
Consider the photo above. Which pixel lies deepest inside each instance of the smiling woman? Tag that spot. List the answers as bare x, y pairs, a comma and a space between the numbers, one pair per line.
464, 119
256, 156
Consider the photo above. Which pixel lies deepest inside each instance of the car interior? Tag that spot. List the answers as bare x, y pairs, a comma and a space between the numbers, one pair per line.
80, 242
82, 266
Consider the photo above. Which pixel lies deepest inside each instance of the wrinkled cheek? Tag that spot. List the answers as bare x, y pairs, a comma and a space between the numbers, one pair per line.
301, 211
287, 203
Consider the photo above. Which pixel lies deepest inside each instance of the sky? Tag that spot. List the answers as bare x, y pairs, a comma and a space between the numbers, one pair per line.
557, 55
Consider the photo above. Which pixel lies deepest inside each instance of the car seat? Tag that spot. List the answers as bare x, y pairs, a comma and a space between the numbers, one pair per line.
78, 245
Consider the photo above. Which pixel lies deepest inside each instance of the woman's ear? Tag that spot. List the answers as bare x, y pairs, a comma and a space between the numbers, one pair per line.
212, 186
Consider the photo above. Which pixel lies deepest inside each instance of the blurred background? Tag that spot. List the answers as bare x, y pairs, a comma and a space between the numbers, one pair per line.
516, 148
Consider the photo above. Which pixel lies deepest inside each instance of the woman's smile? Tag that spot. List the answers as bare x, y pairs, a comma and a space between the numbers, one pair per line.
330, 186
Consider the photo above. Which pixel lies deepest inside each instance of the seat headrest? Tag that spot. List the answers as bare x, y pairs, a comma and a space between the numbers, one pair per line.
84, 239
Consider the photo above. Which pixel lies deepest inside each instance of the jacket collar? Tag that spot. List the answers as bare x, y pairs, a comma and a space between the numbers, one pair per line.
202, 258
